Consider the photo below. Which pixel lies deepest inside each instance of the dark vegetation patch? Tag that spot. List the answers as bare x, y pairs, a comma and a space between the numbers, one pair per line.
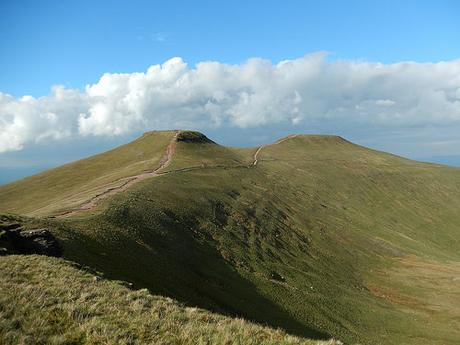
194, 137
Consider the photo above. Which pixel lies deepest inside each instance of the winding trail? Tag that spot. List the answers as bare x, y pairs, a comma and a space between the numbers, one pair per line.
127, 182
256, 154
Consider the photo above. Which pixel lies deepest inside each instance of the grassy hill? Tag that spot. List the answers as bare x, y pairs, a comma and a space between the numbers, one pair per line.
312, 234
49, 301
72, 184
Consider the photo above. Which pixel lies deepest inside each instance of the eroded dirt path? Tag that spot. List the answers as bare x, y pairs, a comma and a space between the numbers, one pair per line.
126, 182
256, 154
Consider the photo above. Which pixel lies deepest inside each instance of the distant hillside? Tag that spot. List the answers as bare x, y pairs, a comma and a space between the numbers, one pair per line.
312, 234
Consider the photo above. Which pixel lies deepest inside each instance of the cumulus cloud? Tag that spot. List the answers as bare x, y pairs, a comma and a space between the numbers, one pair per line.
298, 92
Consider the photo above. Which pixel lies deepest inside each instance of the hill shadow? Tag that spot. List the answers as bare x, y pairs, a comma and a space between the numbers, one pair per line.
176, 263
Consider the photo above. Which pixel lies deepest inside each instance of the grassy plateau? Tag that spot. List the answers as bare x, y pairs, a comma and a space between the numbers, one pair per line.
311, 234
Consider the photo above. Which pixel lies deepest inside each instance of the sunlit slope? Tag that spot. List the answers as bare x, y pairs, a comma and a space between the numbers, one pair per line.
70, 185
50, 301
398, 203
194, 151
321, 237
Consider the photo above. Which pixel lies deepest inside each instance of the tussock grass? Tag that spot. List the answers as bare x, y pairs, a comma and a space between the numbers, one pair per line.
49, 301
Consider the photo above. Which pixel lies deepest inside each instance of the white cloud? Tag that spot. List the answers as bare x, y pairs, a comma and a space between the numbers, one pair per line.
296, 92
28, 119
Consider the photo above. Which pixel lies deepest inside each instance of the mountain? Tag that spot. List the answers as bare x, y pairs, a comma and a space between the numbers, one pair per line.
312, 234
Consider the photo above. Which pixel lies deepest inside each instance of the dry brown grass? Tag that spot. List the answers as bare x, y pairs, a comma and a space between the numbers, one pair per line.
427, 290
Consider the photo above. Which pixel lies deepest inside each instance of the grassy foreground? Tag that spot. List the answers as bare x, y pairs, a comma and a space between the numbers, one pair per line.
50, 301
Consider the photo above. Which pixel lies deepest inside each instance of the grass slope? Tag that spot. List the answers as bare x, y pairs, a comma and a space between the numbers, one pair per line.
72, 184
321, 237
49, 301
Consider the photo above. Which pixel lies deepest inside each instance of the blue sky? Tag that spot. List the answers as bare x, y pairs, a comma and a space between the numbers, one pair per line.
73, 43
47, 43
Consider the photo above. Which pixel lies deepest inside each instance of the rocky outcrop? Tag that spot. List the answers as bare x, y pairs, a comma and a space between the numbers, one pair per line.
15, 239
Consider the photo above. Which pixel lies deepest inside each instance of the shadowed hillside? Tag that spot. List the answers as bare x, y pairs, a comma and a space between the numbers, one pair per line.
45, 300
312, 233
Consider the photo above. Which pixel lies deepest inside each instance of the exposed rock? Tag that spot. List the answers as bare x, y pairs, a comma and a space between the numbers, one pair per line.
12, 226
14, 239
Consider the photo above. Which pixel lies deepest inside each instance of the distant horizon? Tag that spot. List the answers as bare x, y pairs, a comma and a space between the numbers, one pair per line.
12, 174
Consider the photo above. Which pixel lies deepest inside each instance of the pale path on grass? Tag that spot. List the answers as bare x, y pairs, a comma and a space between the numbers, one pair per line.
256, 154
127, 182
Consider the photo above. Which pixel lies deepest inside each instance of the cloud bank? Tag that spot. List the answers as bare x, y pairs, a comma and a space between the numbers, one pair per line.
300, 93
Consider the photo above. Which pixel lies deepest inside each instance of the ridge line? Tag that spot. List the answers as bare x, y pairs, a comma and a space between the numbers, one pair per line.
93, 202
260, 148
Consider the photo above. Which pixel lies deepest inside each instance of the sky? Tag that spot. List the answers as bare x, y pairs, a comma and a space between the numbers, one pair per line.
77, 78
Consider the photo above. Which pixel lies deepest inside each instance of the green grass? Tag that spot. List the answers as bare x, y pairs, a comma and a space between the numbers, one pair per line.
320, 238
49, 301
72, 184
